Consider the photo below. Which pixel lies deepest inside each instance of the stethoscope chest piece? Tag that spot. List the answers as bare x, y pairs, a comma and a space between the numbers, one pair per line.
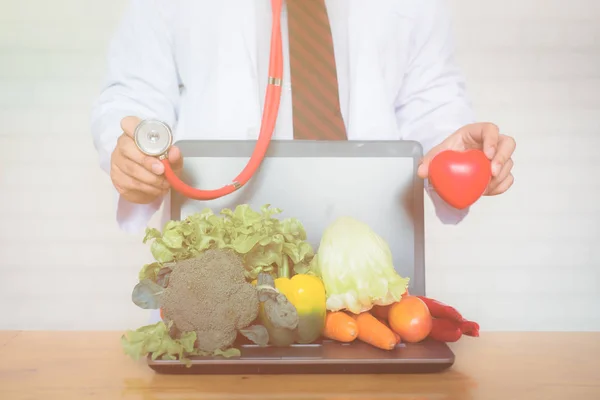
153, 138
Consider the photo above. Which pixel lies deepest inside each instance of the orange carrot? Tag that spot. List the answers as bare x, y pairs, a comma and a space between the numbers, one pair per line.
381, 312
340, 326
398, 339
374, 332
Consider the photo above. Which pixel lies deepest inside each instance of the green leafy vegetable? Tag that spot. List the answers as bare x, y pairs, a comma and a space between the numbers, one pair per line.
258, 334
150, 271
146, 295
232, 352
156, 341
259, 237
356, 267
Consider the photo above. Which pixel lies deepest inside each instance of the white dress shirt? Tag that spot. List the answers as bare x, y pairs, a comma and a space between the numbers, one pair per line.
202, 66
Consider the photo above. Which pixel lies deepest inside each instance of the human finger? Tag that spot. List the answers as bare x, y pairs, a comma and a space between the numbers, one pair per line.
484, 136
502, 186
129, 150
505, 171
126, 183
175, 159
504, 152
141, 174
128, 125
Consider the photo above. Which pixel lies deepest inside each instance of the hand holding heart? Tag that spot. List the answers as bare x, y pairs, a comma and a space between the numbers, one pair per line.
491, 176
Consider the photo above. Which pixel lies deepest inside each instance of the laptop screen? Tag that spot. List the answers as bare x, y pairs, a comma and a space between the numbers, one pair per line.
374, 182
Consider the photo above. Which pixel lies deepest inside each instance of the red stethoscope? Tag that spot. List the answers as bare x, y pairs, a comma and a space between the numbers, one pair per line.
154, 138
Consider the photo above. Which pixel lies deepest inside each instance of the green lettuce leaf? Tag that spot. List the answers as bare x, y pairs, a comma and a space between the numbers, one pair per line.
150, 271
146, 294
262, 239
258, 334
156, 341
232, 352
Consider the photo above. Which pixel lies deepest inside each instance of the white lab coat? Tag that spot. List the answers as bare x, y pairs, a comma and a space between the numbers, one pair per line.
201, 66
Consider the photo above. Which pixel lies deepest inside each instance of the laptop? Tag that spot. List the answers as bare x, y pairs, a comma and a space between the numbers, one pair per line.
317, 182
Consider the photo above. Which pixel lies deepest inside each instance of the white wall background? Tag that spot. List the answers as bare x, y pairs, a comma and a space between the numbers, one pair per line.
527, 260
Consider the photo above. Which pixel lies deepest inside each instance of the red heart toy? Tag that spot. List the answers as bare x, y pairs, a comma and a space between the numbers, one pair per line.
460, 177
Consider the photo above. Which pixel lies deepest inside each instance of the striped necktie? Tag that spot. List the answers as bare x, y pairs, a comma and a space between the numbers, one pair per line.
315, 97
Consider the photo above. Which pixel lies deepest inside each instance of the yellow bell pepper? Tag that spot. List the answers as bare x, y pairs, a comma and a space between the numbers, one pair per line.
307, 294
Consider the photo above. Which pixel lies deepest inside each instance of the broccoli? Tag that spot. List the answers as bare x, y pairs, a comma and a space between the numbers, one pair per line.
209, 295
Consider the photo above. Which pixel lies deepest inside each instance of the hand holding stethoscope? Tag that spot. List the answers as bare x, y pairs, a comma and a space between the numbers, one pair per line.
155, 138
139, 178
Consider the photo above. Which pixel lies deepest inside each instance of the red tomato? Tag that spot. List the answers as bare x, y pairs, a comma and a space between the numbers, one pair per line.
382, 312
410, 318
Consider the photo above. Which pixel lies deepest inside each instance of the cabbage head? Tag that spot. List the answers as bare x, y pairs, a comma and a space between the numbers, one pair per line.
356, 267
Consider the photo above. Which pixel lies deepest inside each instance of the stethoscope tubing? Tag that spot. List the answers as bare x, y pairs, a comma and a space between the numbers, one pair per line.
269, 118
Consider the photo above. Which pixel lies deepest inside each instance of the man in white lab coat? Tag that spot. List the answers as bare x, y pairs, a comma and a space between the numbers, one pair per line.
202, 67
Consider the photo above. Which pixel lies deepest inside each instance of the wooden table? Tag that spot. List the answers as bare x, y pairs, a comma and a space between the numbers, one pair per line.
508, 366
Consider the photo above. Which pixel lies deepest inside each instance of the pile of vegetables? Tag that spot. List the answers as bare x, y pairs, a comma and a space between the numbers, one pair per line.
245, 274
410, 320
201, 280
367, 299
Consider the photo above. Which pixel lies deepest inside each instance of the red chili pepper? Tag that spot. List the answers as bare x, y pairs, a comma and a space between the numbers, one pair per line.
441, 310
445, 330
448, 324
470, 328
